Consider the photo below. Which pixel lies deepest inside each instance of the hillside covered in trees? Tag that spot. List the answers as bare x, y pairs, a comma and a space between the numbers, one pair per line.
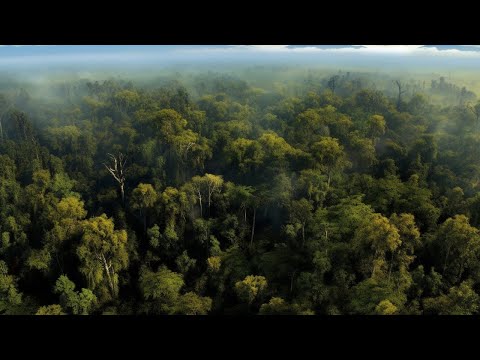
263, 191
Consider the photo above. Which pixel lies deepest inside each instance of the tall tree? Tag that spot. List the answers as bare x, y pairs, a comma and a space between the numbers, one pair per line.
102, 253
118, 169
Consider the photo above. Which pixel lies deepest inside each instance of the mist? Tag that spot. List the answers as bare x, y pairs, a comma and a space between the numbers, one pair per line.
246, 180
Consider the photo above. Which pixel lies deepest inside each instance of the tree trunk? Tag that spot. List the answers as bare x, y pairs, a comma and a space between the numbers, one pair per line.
122, 190
200, 202
110, 281
253, 226
209, 200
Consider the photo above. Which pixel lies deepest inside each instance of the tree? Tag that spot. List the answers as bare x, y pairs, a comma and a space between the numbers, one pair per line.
245, 153
162, 287
313, 185
102, 253
475, 109
401, 91
240, 196
459, 245
185, 263
277, 150
403, 256
329, 157
301, 213
66, 217
144, 198
204, 187
251, 288
175, 204
54, 309
460, 300
214, 263
193, 304
376, 126
382, 237
10, 297
118, 170
332, 83
80, 303
372, 296
309, 125
385, 307
278, 306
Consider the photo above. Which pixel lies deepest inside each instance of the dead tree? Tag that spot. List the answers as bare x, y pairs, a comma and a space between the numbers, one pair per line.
117, 169
400, 93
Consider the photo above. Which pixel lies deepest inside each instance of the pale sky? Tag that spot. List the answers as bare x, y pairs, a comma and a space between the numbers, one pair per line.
374, 55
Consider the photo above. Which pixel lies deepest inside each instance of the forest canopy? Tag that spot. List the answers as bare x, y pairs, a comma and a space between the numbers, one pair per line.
270, 191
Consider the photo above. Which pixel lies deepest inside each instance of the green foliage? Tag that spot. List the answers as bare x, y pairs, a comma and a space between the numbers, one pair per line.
350, 193
144, 197
102, 253
54, 309
460, 300
385, 307
162, 287
251, 288
185, 263
192, 304
79, 303
10, 297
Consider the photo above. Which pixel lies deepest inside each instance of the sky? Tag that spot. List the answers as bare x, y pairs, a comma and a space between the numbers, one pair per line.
54, 56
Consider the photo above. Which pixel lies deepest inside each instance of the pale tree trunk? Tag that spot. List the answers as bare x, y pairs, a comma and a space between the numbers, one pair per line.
209, 199
110, 280
253, 227
200, 203
122, 191
117, 170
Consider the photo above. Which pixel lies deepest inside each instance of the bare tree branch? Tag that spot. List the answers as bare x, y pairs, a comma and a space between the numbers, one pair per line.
117, 170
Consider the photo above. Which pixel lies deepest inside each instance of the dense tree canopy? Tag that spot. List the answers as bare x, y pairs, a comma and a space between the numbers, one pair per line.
195, 194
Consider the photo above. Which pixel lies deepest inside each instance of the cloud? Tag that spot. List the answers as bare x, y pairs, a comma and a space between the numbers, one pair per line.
453, 47
400, 50
326, 47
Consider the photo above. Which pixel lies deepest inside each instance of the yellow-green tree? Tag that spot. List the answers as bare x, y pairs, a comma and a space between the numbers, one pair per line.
251, 288
144, 198
329, 157
378, 237
102, 253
